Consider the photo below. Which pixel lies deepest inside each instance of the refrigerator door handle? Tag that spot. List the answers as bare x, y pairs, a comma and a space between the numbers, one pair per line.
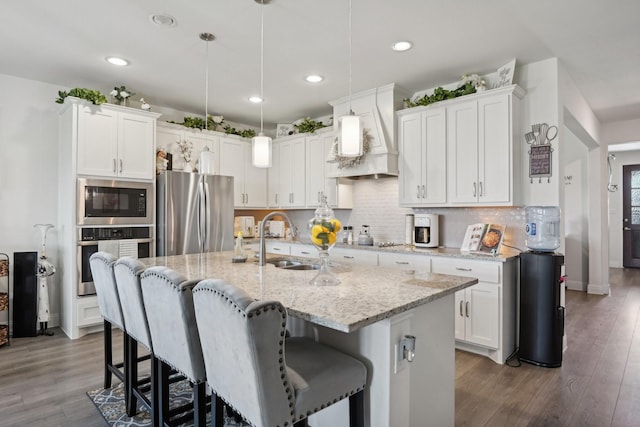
206, 215
200, 215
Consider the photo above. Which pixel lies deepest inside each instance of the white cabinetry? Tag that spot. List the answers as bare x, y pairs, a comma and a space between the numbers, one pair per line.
115, 143
291, 185
167, 135
462, 152
318, 184
485, 314
483, 151
91, 139
422, 144
359, 256
250, 183
404, 262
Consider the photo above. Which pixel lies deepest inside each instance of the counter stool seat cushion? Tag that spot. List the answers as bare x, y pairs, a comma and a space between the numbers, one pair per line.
268, 380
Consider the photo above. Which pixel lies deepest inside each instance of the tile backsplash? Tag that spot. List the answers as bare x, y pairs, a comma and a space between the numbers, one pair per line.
376, 204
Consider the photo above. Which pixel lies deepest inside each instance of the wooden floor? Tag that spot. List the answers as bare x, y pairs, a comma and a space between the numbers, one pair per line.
43, 380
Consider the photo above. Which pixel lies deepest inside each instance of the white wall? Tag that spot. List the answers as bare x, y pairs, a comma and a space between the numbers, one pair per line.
29, 170
576, 211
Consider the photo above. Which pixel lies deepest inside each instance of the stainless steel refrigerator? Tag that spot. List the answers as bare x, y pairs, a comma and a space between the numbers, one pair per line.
195, 213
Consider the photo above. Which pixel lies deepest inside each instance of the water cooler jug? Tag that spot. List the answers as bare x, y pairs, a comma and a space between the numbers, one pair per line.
541, 313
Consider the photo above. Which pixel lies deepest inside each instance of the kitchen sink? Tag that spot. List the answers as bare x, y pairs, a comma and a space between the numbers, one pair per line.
303, 267
284, 263
289, 264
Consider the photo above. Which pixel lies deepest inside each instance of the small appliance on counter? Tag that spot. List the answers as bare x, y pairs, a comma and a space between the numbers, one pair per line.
244, 224
426, 234
276, 228
365, 239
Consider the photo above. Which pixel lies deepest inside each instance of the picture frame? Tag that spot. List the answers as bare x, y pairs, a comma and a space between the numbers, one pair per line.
504, 75
284, 129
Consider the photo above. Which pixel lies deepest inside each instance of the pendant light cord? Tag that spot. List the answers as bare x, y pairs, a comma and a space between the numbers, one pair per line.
206, 90
261, 64
350, 48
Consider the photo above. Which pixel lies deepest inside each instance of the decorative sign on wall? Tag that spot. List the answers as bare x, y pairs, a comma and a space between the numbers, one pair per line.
540, 139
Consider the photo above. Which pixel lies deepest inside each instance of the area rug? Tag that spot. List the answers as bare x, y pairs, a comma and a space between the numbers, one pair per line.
110, 403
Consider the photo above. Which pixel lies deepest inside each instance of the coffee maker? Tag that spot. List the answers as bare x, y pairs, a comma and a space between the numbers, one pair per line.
425, 231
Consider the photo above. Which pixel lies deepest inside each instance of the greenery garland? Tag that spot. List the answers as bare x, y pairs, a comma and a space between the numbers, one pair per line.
199, 123
94, 96
308, 126
440, 94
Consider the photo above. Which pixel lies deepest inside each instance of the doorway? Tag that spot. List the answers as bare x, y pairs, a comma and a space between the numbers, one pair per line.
631, 216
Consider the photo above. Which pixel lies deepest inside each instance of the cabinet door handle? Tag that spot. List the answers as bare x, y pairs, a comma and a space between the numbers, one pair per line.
319, 197
402, 262
626, 228
120, 165
481, 190
466, 308
463, 269
424, 191
276, 202
114, 165
418, 191
461, 314
474, 189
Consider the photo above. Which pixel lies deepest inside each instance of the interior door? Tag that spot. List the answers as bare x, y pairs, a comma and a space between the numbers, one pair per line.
631, 216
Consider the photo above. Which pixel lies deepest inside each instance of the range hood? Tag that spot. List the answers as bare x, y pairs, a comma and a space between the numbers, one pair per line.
376, 108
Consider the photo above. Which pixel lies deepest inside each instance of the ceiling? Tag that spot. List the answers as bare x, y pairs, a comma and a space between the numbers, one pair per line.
65, 42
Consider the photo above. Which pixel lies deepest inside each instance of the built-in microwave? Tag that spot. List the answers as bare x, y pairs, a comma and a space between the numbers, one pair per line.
111, 202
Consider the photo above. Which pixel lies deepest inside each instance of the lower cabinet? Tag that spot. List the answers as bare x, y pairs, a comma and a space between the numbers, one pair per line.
485, 313
354, 256
404, 262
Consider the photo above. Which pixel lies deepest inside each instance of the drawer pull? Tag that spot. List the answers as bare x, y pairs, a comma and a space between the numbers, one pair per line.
348, 256
463, 269
276, 249
305, 253
402, 262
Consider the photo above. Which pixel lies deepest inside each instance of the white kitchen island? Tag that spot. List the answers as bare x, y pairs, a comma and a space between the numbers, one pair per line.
366, 316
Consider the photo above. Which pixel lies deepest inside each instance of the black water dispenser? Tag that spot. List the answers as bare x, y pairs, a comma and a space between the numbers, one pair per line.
541, 312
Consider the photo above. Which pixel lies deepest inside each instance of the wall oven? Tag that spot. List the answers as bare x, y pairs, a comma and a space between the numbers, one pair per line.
109, 202
118, 241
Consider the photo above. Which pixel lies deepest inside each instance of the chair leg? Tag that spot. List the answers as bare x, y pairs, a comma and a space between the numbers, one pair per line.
217, 412
199, 405
356, 409
131, 376
155, 391
163, 392
108, 354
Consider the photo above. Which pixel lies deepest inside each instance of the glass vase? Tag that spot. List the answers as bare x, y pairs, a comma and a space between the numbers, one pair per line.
324, 228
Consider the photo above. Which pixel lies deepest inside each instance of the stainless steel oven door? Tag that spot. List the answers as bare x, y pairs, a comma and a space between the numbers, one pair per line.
143, 247
111, 202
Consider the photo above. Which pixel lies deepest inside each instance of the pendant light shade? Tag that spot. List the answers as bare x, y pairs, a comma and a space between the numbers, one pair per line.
261, 144
350, 142
261, 151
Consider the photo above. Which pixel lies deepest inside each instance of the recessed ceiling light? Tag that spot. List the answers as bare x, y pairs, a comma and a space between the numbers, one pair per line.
314, 78
255, 99
164, 20
401, 46
117, 61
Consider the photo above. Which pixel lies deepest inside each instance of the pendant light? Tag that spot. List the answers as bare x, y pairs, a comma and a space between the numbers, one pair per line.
207, 158
350, 141
261, 144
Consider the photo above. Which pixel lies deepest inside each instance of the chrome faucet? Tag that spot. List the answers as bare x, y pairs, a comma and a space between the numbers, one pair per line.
262, 255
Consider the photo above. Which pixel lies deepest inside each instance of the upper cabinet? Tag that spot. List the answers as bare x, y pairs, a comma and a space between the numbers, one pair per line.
250, 183
114, 141
462, 152
292, 173
423, 148
318, 183
167, 136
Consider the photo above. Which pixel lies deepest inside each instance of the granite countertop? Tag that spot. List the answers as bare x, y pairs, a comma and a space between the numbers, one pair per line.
366, 295
505, 254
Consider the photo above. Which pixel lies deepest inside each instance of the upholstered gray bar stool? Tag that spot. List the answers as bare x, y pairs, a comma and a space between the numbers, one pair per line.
127, 273
268, 380
169, 306
109, 304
